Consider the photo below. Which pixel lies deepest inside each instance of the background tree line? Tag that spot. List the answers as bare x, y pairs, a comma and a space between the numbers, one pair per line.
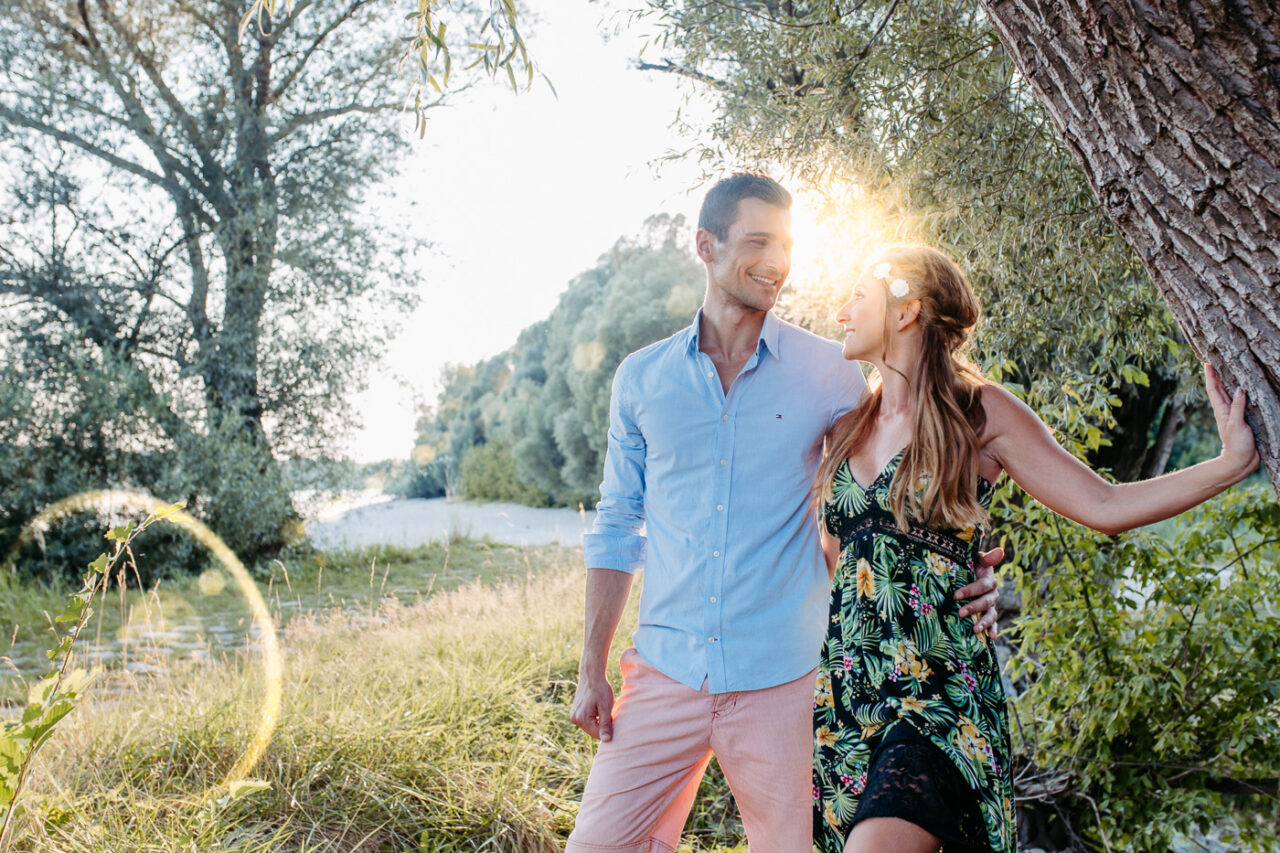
530, 424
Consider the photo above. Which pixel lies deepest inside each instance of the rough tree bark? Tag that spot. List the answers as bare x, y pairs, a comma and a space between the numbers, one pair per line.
1173, 109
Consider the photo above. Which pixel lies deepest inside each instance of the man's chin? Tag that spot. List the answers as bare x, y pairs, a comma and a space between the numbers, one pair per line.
755, 301
766, 303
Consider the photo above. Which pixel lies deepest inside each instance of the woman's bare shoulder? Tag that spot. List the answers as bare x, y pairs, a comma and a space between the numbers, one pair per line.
1007, 418
1000, 404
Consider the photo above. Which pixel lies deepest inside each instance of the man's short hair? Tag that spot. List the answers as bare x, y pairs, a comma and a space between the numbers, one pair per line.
720, 207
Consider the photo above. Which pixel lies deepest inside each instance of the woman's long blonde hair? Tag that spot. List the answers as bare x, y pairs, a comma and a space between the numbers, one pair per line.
935, 481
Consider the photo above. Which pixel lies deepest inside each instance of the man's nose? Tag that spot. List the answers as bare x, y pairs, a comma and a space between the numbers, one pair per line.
778, 259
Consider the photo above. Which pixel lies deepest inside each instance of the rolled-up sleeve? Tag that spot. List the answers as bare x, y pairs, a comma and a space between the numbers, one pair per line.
616, 541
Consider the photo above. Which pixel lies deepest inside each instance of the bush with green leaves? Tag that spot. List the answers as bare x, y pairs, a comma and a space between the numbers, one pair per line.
488, 473
1149, 671
99, 430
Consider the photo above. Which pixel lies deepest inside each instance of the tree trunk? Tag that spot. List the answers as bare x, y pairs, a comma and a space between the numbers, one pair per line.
1175, 415
248, 242
1173, 109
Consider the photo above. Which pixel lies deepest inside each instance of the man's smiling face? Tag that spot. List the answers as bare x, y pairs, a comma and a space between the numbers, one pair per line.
751, 264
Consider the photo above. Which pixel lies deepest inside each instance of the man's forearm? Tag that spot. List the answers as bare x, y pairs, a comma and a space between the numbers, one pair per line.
607, 592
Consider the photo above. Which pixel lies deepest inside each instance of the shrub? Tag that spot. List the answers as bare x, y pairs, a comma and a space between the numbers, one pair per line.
102, 432
488, 473
1151, 675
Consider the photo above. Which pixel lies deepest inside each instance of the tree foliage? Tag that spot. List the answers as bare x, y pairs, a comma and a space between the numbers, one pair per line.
490, 40
191, 278
1151, 683
541, 409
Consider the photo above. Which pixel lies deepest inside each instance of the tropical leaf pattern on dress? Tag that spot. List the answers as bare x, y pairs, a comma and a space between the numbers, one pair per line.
847, 497
897, 653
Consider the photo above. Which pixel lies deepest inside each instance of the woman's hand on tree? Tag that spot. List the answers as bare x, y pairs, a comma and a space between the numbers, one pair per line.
1238, 447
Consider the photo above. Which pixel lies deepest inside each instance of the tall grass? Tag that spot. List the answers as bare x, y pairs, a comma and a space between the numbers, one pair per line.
436, 726
148, 626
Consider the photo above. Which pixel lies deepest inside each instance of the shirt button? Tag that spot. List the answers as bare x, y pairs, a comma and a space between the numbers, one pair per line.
713, 639
724, 417
712, 599
720, 508
710, 373
715, 553
723, 462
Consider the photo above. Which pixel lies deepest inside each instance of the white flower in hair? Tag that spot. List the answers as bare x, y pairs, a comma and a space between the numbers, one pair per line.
881, 271
899, 287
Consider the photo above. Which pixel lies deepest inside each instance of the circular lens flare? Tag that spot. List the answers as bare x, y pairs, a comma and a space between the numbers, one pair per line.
117, 500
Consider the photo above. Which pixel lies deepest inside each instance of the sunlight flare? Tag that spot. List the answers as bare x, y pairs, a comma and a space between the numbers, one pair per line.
112, 502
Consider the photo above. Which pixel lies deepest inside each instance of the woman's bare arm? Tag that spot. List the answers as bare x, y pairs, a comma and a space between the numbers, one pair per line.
1025, 448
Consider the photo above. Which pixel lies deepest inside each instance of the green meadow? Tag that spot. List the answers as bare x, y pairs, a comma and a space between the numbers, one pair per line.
425, 708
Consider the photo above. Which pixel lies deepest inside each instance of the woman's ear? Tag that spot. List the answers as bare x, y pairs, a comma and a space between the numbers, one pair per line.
908, 313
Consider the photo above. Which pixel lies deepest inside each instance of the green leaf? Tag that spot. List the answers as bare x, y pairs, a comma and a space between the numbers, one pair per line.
120, 534
64, 646
75, 681
12, 753
54, 713
99, 565
174, 514
76, 607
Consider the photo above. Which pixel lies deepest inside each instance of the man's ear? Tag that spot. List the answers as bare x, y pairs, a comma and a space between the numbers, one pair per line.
705, 242
908, 312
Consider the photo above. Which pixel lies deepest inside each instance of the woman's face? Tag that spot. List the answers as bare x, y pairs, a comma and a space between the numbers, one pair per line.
863, 319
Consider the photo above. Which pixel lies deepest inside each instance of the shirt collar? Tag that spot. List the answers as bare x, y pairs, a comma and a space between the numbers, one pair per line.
768, 333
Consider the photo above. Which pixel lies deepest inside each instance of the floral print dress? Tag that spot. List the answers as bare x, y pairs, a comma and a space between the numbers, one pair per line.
898, 654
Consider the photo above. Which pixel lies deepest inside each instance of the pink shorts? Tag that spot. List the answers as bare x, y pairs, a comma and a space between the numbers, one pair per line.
643, 781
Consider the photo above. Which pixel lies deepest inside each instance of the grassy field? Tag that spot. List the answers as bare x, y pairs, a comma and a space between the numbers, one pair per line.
207, 615
425, 709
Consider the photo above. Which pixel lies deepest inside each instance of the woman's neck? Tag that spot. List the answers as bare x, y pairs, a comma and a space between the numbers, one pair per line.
897, 398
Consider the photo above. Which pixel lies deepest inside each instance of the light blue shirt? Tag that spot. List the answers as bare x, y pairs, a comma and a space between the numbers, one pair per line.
735, 588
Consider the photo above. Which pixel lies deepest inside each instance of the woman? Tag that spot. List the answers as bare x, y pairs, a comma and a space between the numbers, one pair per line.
912, 747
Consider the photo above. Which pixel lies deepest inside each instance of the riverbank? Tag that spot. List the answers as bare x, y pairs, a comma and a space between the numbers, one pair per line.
363, 546
362, 519
203, 619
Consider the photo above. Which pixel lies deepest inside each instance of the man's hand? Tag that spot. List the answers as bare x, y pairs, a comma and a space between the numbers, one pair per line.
592, 709
983, 593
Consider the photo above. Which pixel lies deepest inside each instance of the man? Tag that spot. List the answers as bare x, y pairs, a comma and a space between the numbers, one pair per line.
714, 437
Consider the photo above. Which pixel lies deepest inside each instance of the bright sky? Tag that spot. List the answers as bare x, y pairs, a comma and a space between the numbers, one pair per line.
519, 194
